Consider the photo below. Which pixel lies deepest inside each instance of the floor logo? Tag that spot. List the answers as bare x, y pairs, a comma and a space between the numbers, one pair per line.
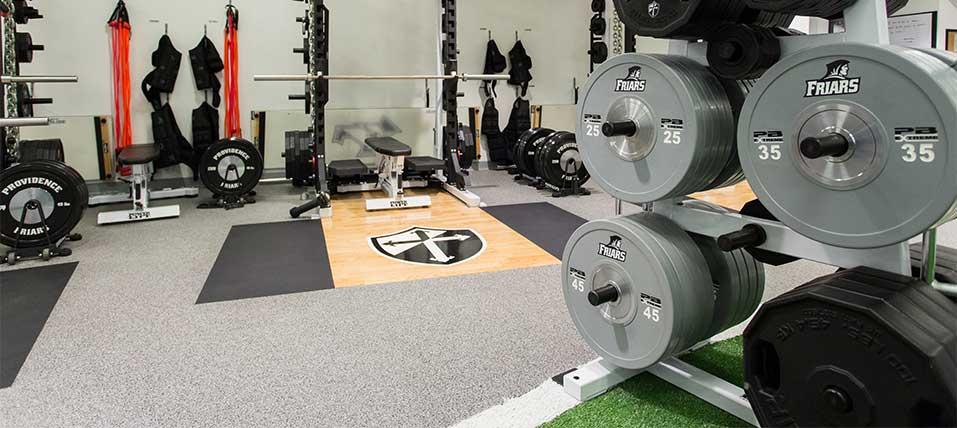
428, 246
835, 82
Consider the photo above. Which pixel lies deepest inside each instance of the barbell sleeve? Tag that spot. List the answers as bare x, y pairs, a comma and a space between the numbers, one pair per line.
468, 77
18, 122
284, 78
39, 79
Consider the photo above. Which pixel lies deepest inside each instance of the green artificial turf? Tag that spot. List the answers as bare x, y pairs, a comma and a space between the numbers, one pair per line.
647, 401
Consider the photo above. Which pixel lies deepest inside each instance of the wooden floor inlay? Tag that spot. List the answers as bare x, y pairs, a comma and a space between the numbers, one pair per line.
729, 197
355, 262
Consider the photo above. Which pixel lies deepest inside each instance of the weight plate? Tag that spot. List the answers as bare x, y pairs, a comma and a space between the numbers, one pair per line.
715, 101
737, 302
24, 47
231, 167
664, 301
540, 155
767, 19
526, 148
38, 185
466, 150
598, 52
562, 162
816, 8
598, 25
699, 295
740, 52
852, 349
896, 178
78, 181
738, 279
678, 127
689, 19
24, 100
737, 91
893, 6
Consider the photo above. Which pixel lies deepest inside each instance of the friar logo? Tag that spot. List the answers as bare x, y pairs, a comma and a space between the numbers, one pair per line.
835, 82
430, 246
631, 83
654, 8
613, 250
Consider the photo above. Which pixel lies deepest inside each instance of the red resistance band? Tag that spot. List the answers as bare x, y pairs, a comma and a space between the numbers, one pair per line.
121, 33
231, 74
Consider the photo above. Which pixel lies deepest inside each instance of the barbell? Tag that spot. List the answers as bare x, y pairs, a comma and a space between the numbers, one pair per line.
321, 76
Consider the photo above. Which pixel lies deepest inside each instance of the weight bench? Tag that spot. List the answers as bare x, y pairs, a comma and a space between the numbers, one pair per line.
140, 157
392, 155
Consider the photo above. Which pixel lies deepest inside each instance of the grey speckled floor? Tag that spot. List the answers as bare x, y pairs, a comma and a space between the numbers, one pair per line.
126, 346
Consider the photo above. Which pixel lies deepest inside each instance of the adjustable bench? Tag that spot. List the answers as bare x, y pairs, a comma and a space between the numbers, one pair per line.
140, 157
392, 155
423, 166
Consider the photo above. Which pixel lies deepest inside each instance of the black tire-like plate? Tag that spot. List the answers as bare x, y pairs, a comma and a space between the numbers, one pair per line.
530, 153
62, 199
857, 348
219, 178
524, 153
562, 163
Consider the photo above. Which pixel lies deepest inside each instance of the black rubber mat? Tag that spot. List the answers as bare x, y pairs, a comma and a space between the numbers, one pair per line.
546, 225
27, 298
272, 259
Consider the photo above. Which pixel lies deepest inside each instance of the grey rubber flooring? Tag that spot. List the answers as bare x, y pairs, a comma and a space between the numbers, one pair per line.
126, 345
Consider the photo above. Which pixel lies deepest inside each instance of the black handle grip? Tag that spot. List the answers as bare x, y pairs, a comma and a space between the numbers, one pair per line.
626, 128
36, 101
749, 236
298, 97
304, 208
606, 294
830, 145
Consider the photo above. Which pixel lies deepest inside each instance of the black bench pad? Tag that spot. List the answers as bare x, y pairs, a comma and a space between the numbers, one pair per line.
348, 168
424, 164
389, 146
138, 154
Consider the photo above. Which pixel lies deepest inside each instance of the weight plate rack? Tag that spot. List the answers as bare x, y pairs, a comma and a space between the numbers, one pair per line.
845, 140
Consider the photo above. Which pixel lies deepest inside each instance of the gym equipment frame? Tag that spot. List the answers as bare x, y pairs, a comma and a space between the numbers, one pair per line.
452, 177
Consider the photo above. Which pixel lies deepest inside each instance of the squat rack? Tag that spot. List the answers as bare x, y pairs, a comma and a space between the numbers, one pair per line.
454, 179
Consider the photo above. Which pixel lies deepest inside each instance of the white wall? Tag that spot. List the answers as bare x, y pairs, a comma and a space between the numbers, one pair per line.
946, 15
946, 20
368, 37
558, 44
